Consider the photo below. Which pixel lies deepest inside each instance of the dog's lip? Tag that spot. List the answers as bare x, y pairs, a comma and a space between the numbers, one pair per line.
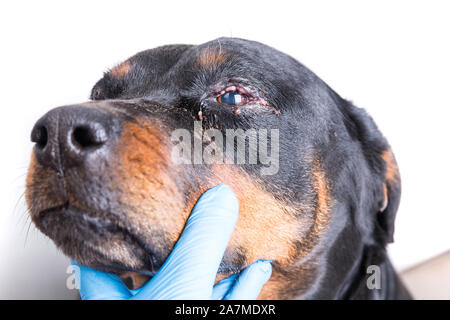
111, 225
74, 211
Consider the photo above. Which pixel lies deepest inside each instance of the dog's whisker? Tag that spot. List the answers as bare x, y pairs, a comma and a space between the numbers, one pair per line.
26, 235
23, 213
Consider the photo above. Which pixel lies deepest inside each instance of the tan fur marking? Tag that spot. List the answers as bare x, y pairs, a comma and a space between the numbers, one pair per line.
147, 179
211, 57
306, 270
121, 70
266, 228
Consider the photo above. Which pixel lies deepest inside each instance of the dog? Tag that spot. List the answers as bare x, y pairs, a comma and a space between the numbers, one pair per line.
104, 186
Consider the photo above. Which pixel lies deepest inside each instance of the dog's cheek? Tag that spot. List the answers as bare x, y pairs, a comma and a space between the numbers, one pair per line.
266, 228
270, 229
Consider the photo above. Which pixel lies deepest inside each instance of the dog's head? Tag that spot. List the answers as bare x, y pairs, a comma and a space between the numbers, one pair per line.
113, 180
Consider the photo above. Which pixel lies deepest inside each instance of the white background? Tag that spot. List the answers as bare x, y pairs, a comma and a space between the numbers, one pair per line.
390, 57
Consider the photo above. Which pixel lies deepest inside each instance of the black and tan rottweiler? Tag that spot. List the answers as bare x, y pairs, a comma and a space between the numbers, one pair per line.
102, 183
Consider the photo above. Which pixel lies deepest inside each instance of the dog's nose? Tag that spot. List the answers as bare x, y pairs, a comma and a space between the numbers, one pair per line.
74, 135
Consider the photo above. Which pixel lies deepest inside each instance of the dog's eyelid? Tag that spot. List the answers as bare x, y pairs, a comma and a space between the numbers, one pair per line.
247, 96
240, 87
250, 93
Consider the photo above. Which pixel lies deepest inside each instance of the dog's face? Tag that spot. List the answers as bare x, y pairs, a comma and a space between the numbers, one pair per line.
105, 185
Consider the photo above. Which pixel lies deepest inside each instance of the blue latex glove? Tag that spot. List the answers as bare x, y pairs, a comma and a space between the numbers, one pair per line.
190, 270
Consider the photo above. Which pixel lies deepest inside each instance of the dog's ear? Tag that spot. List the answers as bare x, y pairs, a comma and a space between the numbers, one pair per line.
384, 181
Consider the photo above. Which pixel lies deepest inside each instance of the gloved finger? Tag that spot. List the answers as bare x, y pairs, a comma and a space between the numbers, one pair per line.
97, 285
222, 287
191, 268
250, 281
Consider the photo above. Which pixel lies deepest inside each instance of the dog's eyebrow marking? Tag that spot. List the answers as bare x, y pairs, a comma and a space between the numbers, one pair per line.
391, 175
121, 70
211, 57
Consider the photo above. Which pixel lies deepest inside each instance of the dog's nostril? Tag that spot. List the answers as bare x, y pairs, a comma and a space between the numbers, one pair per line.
40, 136
86, 136
72, 136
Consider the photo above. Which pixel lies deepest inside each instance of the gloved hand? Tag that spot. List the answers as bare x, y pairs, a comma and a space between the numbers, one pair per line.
190, 270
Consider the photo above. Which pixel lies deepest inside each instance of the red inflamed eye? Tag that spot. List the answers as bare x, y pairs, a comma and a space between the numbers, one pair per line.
233, 98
